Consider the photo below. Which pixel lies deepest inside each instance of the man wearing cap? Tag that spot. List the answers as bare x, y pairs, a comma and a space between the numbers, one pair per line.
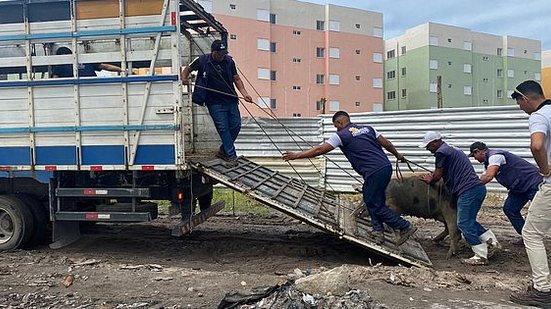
216, 77
530, 98
514, 173
362, 146
461, 180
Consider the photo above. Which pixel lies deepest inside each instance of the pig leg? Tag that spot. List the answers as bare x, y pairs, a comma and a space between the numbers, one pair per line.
455, 238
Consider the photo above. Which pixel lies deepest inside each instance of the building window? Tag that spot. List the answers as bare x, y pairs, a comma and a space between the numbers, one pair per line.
358, 51
262, 102
467, 90
296, 87
510, 52
273, 47
537, 76
377, 83
273, 103
320, 25
468, 45
500, 51
334, 106
320, 52
320, 79
537, 56
511, 73
391, 74
334, 52
334, 25
403, 50
296, 60
263, 73
263, 44
358, 26
404, 93
296, 32
404, 71
390, 54
391, 95
233, 36
467, 68
499, 72
433, 87
433, 40
500, 93
377, 58
358, 77
273, 75
273, 18
357, 104
433, 64
378, 32
233, 6
262, 15
334, 79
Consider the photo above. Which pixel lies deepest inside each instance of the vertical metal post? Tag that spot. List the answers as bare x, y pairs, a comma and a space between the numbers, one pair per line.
76, 87
30, 92
177, 88
123, 48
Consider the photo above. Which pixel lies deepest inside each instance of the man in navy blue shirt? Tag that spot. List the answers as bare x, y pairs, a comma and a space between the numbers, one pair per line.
461, 180
84, 70
362, 146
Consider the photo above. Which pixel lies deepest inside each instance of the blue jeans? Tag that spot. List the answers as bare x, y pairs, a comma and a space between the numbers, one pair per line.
468, 205
374, 198
227, 121
513, 205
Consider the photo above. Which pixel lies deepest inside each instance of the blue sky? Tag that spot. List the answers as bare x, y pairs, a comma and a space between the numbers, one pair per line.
529, 18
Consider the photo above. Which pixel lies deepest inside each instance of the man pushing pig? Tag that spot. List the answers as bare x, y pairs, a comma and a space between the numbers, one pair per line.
362, 146
463, 183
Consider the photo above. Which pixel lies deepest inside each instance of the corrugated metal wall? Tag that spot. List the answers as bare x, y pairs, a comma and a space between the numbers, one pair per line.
499, 127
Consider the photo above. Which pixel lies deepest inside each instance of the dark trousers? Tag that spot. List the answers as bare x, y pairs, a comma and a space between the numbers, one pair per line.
513, 205
374, 198
227, 121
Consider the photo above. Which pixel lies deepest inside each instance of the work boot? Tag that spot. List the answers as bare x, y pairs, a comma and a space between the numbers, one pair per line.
490, 239
532, 297
231, 162
379, 237
405, 234
480, 256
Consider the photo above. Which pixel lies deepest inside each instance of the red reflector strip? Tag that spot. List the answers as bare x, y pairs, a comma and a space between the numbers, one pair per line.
89, 192
51, 168
91, 216
5, 168
173, 18
96, 168
148, 167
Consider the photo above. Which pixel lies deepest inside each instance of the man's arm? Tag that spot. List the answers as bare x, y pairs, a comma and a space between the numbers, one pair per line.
434, 176
110, 67
241, 87
184, 75
310, 153
490, 173
390, 148
537, 146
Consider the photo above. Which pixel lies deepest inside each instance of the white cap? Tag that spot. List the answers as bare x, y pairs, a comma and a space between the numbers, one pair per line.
430, 136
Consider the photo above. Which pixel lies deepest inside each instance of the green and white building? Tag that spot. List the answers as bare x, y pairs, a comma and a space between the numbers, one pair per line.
434, 65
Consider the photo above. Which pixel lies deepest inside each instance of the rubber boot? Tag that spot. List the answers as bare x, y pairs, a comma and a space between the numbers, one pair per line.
490, 239
480, 255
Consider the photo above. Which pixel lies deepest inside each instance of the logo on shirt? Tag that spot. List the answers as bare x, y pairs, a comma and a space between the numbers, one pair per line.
358, 131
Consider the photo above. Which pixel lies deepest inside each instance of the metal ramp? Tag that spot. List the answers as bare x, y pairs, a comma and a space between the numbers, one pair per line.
310, 205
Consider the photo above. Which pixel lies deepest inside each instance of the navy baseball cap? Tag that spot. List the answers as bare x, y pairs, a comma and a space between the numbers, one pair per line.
219, 46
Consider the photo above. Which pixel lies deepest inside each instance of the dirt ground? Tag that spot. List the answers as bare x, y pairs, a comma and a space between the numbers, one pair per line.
142, 266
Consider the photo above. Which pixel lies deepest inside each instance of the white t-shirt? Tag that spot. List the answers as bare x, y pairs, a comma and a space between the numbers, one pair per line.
540, 121
335, 141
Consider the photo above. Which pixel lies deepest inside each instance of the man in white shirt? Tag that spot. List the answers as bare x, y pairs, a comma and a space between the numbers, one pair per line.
530, 98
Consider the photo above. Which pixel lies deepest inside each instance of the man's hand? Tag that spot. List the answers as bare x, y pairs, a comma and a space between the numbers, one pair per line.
248, 98
185, 82
401, 158
288, 156
426, 178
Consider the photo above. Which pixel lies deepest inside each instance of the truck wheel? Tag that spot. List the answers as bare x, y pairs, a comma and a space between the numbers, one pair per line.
40, 230
16, 223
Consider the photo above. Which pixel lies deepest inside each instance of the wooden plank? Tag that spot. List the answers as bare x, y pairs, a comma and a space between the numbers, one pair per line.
258, 184
94, 9
281, 189
245, 173
186, 226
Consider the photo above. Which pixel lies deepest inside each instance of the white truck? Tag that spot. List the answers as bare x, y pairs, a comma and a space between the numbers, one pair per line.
93, 148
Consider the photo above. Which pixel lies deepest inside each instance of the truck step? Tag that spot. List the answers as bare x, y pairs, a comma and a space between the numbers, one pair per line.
102, 192
103, 216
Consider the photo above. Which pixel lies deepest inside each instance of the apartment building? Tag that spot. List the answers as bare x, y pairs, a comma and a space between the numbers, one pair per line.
546, 73
304, 59
434, 65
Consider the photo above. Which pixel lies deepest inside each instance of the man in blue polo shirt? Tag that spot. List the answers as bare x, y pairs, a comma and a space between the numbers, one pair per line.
514, 173
362, 146
84, 70
461, 180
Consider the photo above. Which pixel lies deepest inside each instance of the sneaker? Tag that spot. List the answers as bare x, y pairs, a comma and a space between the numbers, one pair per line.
231, 162
406, 234
475, 261
221, 155
532, 297
379, 237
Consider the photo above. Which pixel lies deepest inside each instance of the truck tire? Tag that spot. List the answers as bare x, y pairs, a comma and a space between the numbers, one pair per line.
16, 223
40, 231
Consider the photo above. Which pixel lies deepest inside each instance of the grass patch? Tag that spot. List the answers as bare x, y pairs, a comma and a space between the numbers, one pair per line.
238, 202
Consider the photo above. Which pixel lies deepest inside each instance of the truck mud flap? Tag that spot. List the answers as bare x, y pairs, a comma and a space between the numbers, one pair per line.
311, 205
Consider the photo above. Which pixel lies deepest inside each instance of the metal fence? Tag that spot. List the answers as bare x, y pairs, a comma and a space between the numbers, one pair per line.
499, 127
